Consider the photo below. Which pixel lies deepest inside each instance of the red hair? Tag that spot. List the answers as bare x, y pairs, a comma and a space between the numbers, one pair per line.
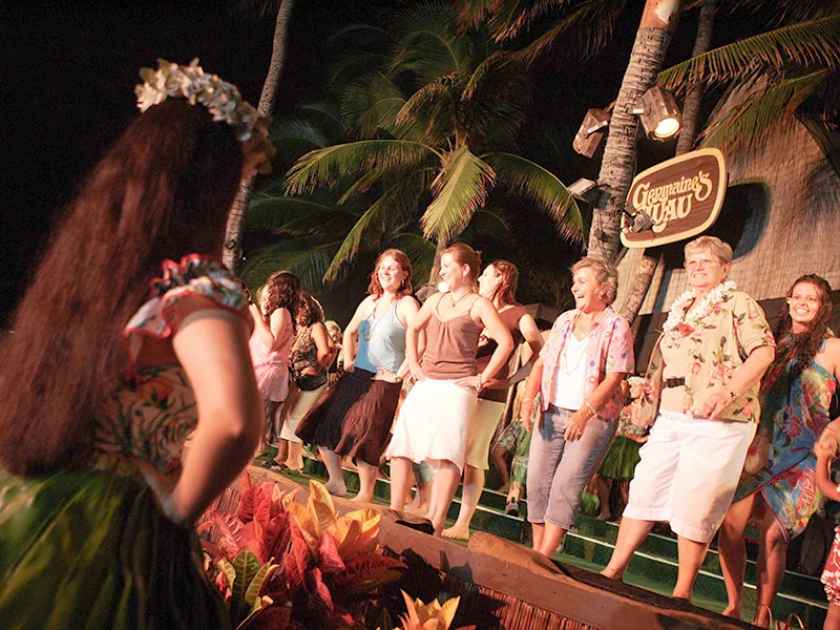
509, 273
375, 287
463, 254
163, 190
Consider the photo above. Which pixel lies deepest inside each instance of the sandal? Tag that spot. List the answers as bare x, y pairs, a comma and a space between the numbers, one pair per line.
512, 508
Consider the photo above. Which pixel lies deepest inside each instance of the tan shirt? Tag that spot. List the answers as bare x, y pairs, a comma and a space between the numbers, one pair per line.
707, 357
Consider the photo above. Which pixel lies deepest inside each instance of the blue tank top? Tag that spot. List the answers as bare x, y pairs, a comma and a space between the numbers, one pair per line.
381, 342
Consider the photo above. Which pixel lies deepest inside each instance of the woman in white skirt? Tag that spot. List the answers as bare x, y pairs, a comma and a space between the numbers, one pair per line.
434, 420
498, 284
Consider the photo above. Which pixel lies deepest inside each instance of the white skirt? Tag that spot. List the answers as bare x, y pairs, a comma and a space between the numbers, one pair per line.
433, 422
301, 405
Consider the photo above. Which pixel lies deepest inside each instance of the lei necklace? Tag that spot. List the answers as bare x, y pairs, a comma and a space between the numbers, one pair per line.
222, 99
686, 323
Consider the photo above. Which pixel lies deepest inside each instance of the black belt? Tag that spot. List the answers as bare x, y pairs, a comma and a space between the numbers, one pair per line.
674, 382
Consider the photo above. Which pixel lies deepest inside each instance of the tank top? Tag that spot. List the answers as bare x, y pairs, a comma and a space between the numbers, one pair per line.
381, 342
451, 346
510, 318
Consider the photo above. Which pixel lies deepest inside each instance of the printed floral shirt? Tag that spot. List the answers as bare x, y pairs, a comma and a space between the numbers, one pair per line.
707, 356
609, 348
152, 411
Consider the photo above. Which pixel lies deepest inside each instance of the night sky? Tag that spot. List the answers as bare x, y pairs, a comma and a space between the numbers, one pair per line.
69, 69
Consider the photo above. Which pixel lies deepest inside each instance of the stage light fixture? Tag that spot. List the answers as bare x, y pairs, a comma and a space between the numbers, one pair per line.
590, 192
592, 131
659, 113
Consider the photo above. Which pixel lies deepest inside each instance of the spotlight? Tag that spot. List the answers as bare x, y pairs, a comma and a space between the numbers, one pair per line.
591, 131
659, 114
590, 192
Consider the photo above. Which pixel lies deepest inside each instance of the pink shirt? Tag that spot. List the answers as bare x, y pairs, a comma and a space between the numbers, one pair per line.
609, 348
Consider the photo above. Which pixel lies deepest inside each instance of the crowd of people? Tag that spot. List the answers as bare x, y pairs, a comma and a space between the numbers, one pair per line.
152, 377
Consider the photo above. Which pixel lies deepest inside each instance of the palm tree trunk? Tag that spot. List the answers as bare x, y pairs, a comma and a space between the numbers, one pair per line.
619, 164
691, 112
232, 254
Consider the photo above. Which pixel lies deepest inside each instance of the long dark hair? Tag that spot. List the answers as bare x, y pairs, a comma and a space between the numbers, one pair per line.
506, 291
801, 348
161, 191
282, 291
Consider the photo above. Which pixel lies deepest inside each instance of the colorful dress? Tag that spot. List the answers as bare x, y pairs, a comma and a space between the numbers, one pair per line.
89, 547
795, 410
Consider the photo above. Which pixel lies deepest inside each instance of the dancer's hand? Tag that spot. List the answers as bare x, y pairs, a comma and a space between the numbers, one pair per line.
473, 382
576, 425
416, 372
526, 414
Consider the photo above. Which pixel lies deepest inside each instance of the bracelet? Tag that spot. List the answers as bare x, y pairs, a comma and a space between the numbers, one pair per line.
591, 408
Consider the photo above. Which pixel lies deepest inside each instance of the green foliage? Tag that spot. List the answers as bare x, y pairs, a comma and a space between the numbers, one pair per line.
753, 117
812, 44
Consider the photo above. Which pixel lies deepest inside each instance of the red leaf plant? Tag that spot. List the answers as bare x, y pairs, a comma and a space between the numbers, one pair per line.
282, 564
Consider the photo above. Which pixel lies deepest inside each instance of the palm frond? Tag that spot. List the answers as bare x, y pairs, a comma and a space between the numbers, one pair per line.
431, 108
746, 125
401, 198
461, 187
427, 44
777, 13
292, 215
472, 13
370, 104
584, 32
532, 181
808, 45
495, 100
306, 258
324, 167
326, 115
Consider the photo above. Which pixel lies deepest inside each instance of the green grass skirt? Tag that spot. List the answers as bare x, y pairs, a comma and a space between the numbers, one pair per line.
90, 550
621, 459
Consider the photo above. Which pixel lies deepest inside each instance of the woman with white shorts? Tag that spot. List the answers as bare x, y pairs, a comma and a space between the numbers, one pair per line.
702, 388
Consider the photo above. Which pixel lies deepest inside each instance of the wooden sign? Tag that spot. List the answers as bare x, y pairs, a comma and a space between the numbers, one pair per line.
682, 196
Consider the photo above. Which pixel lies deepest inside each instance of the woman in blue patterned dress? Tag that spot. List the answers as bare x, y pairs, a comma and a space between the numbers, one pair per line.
120, 354
777, 493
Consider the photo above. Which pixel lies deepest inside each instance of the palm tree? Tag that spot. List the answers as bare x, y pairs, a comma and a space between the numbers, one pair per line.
232, 254
436, 120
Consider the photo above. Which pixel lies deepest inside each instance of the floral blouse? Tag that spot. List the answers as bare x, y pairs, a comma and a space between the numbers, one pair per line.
152, 411
609, 348
707, 356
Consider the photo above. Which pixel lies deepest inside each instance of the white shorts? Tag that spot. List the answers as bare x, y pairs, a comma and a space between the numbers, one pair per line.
433, 421
688, 473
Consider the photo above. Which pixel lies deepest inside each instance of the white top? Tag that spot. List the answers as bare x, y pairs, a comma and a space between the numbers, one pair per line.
571, 375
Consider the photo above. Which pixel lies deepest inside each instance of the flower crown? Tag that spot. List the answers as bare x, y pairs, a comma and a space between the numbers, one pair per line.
222, 99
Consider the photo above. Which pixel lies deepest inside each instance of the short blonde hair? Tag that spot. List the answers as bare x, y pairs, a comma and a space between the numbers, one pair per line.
711, 244
605, 274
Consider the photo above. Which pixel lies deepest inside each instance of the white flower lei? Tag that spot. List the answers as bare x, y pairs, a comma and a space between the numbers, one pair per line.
221, 99
678, 314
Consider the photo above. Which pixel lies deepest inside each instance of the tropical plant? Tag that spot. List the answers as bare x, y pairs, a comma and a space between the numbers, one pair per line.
437, 121
431, 616
282, 564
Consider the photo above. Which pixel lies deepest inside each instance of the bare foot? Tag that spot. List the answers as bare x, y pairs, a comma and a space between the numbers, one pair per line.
611, 574
362, 499
418, 509
732, 611
337, 490
762, 617
457, 532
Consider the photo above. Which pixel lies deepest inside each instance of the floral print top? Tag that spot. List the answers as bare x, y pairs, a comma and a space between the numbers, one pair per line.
152, 411
609, 348
708, 355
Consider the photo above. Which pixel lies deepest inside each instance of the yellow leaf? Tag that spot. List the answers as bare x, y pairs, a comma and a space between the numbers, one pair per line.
321, 506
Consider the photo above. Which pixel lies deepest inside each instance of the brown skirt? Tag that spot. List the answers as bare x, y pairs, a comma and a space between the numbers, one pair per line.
366, 429
322, 426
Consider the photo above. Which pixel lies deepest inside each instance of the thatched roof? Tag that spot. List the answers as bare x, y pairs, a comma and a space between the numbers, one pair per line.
782, 217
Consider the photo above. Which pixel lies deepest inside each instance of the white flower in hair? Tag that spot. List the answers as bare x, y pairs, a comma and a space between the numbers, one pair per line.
221, 99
